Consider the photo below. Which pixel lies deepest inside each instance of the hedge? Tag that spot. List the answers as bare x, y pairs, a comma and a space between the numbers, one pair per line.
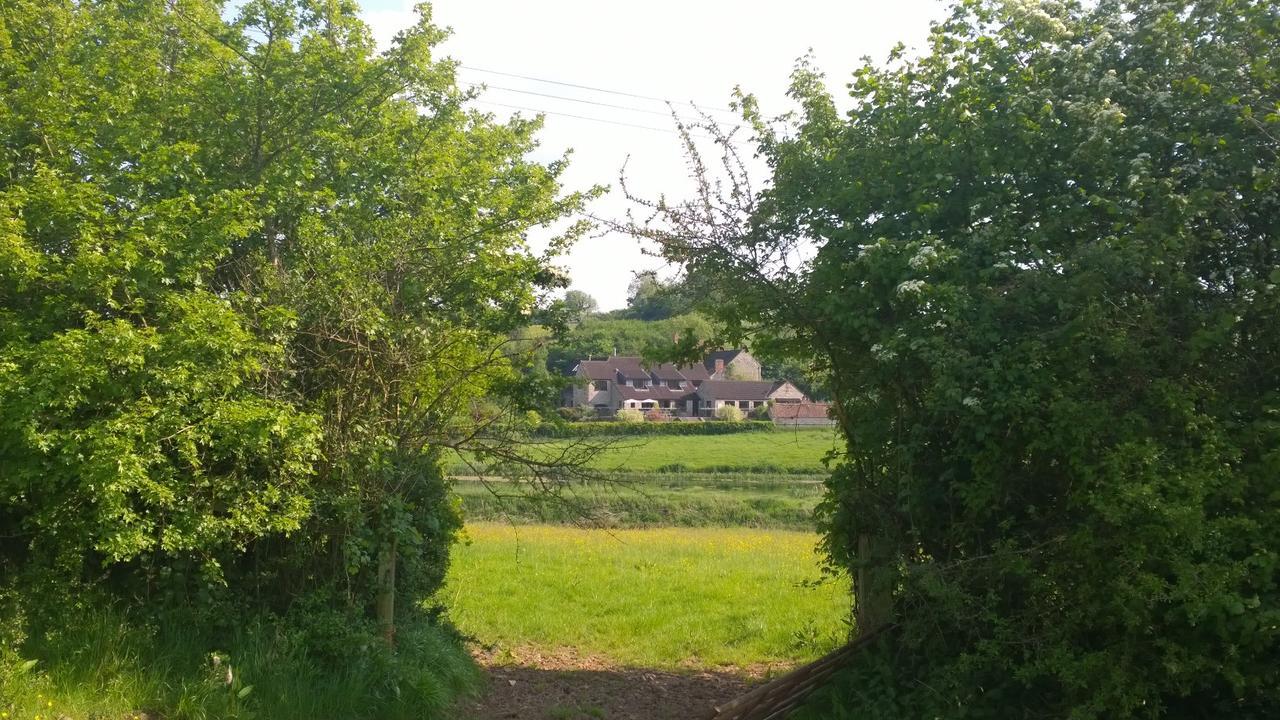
674, 427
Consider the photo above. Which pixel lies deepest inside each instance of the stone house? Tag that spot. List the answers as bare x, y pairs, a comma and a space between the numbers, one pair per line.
802, 414
730, 377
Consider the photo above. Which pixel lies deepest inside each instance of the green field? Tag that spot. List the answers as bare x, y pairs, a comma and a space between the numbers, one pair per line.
785, 451
652, 500
663, 598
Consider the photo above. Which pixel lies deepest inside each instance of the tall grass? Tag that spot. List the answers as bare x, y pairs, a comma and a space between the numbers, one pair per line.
666, 598
103, 664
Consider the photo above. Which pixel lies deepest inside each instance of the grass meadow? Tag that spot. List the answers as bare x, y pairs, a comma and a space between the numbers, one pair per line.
662, 597
652, 500
790, 451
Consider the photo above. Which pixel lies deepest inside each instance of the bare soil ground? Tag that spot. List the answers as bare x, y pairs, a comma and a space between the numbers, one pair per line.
563, 685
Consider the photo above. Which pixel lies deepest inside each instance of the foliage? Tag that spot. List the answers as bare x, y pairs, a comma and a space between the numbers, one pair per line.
254, 279
579, 305
110, 663
600, 337
729, 413
1044, 294
604, 428
683, 598
630, 416
650, 297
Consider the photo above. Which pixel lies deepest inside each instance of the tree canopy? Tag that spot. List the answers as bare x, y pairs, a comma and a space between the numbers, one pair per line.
1040, 267
254, 280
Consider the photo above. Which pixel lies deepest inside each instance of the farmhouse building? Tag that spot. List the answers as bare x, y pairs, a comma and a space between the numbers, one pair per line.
728, 377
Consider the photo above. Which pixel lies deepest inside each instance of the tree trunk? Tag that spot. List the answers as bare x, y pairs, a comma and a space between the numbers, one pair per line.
873, 588
386, 601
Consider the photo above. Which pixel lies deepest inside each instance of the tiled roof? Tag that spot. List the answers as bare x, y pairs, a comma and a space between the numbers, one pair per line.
796, 411
738, 389
597, 369
607, 369
667, 371
632, 368
696, 372
626, 392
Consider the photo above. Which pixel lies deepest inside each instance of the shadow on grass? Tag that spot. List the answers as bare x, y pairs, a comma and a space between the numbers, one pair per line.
530, 693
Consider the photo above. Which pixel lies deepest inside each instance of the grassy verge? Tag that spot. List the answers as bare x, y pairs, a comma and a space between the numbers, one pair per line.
653, 500
102, 665
784, 451
664, 598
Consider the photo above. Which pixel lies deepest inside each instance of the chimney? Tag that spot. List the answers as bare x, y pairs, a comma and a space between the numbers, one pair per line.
719, 366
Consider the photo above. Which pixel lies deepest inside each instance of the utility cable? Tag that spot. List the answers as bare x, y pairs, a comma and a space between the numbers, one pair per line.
590, 87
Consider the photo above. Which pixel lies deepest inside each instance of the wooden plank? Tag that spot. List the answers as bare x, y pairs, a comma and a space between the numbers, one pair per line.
776, 698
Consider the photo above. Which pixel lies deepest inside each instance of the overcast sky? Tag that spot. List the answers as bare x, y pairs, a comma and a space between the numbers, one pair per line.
695, 50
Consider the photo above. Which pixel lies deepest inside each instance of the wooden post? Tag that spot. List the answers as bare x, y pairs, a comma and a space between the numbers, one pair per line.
386, 599
873, 591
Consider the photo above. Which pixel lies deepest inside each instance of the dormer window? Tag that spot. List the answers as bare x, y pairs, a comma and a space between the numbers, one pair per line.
601, 385
677, 384
642, 383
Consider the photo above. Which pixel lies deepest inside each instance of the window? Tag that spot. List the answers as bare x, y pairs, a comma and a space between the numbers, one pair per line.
600, 385
743, 404
674, 384
642, 383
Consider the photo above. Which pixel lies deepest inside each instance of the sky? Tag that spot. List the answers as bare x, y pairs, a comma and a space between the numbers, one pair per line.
694, 51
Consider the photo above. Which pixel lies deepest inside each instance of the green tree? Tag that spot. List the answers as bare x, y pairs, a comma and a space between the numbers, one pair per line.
650, 297
580, 305
1044, 298
254, 280
600, 337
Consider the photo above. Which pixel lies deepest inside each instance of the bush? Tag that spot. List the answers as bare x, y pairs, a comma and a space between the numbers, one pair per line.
656, 416
630, 415
321, 664
1054, 350
575, 413
729, 413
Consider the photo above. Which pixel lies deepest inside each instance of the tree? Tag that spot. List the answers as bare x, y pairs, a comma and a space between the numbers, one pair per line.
601, 337
649, 297
255, 281
579, 305
1043, 296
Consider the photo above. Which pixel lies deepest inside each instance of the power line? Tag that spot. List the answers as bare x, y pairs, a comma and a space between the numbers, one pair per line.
582, 117
590, 87
572, 99
668, 131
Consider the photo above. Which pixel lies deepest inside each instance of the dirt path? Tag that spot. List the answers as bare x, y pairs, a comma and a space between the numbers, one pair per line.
563, 686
